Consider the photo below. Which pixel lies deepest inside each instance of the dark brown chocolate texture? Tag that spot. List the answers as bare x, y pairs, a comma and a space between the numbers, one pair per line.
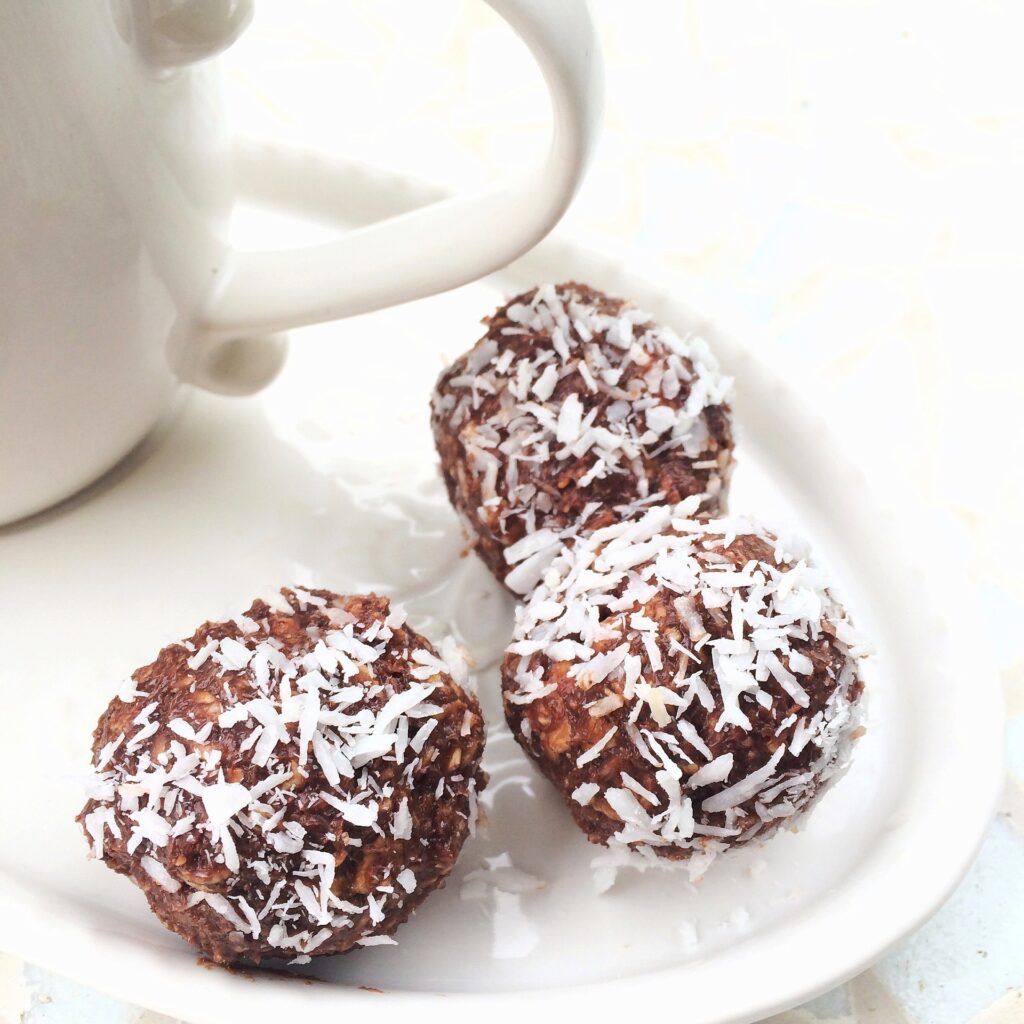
291, 782
573, 409
686, 685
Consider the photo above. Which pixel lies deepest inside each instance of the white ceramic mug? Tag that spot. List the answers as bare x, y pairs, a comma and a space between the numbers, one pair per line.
115, 191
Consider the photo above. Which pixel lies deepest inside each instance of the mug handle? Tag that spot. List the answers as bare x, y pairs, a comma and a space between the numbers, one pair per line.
420, 253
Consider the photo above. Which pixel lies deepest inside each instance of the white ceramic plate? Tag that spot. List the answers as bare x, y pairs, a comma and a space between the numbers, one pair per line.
328, 477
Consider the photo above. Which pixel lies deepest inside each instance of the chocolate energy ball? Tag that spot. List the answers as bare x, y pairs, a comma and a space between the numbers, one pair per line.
573, 406
289, 783
687, 685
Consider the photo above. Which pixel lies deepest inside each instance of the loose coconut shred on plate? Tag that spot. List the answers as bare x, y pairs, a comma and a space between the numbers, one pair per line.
689, 685
572, 405
292, 782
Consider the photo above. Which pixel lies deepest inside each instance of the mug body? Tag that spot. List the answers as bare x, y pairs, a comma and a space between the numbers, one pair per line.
115, 192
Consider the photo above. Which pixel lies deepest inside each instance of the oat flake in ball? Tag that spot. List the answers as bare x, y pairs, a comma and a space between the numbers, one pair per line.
687, 685
291, 782
572, 405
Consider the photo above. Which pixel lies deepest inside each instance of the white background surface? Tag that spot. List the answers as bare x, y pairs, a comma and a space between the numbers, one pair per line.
844, 178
